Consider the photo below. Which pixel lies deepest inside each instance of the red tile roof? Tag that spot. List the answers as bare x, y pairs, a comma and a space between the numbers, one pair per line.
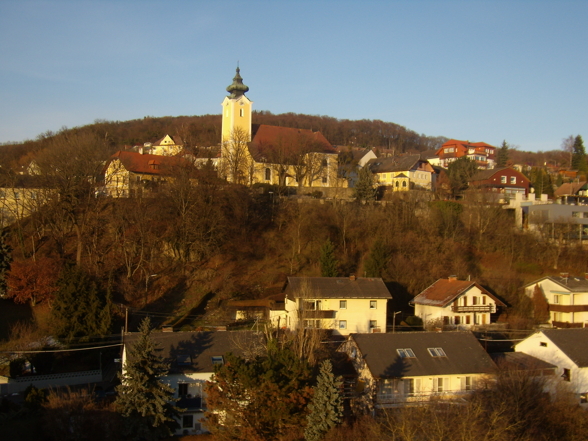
271, 141
148, 164
444, 291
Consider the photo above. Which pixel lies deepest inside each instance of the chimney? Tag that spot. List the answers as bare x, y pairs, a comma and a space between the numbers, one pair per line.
352, 277
452, 278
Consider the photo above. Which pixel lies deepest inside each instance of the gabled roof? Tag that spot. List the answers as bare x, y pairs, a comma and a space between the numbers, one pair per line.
394, 164
464, 354
572, 284
573, 342
176, 139
484, 175
519, 361
193, 351
570, 188
337, 288
444, 291
270, 142
148, 164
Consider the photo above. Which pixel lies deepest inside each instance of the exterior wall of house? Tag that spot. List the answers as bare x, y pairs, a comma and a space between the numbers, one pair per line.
564, 306
539, 346
116, 180
343, 316
167, 147
195, 388
18, 203
469, 309
398, 181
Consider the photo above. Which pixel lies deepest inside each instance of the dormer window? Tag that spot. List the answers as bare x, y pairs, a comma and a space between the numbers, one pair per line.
218, 360
406, 353
436, 352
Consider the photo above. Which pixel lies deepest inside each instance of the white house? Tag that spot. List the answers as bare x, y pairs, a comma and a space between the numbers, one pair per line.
192, 357
456, 302
400, 368
567, 298
343, 304
567, 349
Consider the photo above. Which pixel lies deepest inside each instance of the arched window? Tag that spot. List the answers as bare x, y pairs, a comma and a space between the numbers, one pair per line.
404, 184
268, 174
397, 183
241, 112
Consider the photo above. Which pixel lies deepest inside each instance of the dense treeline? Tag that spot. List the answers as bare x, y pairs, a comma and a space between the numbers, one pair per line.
205, 131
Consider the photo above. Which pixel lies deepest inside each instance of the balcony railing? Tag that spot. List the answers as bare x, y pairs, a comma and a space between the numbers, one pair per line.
474, 308
318, 314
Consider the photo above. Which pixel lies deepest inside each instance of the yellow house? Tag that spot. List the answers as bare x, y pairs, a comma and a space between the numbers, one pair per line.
129, 174
166, 146
268, 154
403, 173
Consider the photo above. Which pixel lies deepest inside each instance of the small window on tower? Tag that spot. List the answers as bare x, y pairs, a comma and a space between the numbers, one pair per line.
241, 112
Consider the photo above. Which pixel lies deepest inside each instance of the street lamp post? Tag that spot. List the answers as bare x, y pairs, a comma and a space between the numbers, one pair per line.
394, 321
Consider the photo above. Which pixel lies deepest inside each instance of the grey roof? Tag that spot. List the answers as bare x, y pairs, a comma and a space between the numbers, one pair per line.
573, 284
196, 349
520, 361
394, 164
464, 354
573, 342
337, 288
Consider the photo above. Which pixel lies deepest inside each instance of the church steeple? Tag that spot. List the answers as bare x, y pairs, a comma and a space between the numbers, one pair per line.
236, 111
237, 89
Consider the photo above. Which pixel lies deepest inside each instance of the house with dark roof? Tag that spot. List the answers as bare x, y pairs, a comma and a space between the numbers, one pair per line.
461, 303
503, 180
567, 297
395, 369
403, 173
192, 357
567, 349
343, 305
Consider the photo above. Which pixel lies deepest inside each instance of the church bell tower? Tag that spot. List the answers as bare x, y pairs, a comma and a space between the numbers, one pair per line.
236, 111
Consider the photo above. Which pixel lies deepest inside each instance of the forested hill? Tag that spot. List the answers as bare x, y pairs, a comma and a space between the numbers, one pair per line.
197, 131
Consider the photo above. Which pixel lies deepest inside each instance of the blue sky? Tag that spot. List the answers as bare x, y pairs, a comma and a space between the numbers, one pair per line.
472, 70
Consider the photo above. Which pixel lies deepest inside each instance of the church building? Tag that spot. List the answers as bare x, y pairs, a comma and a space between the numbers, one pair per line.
259, 153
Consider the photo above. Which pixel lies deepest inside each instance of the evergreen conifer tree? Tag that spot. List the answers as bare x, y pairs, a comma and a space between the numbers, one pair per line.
579, 155
326, 406
327, 260
502, 156
5, 259
145, 402
81, 309
364, 187
377, 260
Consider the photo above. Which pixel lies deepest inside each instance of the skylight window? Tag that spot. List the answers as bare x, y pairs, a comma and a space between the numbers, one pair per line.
217, 359
437, 352
406, 353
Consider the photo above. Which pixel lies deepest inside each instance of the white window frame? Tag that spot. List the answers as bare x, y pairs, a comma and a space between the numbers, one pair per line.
342, 304
342, 324
373, 304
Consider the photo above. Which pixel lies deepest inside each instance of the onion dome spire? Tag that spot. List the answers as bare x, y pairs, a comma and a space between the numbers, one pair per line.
237, 88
